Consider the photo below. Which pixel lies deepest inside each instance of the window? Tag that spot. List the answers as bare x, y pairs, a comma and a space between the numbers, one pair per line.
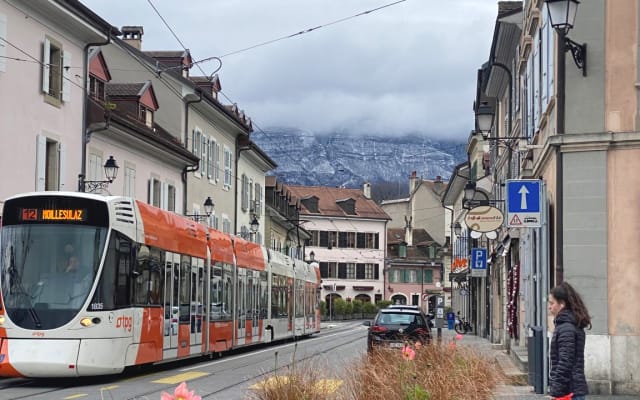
155, 192
395, 275
96, 88
95, 167
145, 115
171, 198
50, 164
351, 271
129, 181
196, 137
56, 75
411, 276
428, 276
226, 224
370, 271
227, 167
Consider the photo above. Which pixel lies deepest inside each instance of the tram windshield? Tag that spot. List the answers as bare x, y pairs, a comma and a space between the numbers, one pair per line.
47, 267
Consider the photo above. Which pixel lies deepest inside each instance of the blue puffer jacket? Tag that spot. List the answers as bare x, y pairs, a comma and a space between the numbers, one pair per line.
567, 357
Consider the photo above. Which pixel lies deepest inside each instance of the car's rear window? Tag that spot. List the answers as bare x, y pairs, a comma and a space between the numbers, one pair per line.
400, 319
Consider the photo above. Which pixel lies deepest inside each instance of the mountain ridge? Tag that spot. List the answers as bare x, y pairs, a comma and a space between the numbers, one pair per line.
342, 160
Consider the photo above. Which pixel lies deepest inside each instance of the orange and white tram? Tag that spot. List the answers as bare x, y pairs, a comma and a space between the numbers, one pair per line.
90, 285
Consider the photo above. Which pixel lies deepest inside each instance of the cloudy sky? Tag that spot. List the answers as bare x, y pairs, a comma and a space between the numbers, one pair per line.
406, 68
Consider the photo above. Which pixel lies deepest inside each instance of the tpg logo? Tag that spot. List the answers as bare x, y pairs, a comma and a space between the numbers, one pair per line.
125, 323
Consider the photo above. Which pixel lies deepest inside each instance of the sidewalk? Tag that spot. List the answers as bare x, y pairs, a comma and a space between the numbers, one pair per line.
511, 371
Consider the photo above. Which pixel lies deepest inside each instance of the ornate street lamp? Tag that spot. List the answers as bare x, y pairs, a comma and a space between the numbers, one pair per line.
208, 209
110, 172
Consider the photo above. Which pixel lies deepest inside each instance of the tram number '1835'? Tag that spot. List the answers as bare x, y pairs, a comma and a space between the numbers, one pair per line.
97, 306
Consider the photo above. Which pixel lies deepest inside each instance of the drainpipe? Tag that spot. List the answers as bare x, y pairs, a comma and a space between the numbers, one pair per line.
560, 115
85, 106
189, 168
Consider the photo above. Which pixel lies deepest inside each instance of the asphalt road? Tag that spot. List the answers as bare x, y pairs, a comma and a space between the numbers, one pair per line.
229, 377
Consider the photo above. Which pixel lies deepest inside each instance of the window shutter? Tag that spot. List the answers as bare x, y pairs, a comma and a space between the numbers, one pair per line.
3, 45
66, 76
46, 51
62, 159
150, 191
41, 162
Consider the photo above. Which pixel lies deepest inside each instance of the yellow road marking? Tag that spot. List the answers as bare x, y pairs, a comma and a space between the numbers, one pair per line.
171, 380
75, 396
109, 387
324, 386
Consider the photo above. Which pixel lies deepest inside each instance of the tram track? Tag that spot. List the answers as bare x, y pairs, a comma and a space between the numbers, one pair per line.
244, 381
54, 386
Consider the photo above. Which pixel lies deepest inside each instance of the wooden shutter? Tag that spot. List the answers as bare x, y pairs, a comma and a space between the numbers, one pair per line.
46, 60
66, 76
62, 162
41, 162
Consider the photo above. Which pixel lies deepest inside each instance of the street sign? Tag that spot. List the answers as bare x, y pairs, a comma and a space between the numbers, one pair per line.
478, 263
524, 203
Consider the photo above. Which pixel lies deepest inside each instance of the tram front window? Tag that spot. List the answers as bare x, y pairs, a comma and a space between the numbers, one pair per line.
47, 271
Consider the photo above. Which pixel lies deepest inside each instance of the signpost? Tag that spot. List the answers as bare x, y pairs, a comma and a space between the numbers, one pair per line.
478, 263
524, 203
439, 315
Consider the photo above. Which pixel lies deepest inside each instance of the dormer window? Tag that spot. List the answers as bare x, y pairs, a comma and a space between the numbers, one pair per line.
145, 115
347, 205
96, 88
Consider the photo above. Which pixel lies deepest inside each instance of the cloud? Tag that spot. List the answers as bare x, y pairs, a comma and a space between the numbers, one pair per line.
407, 68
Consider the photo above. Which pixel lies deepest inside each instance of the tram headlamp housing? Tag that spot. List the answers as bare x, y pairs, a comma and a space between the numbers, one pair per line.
86, 321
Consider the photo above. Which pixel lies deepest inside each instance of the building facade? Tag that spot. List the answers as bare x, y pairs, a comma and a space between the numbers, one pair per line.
348, 239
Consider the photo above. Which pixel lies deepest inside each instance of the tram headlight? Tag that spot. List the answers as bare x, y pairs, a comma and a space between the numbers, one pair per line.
87, 321
1, 319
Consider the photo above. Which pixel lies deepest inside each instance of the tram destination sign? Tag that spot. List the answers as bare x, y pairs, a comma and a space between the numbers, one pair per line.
50, 214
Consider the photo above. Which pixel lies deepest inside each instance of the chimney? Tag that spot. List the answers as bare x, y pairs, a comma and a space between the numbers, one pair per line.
367, 190
438, 185
408, 231
132, 35
413, 182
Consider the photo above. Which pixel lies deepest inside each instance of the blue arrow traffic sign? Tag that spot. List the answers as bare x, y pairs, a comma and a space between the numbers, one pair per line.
523, 196
524, 203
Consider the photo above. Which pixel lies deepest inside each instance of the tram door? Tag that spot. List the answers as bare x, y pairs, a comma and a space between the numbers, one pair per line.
171, 305
197, 306
253, 302
241, 308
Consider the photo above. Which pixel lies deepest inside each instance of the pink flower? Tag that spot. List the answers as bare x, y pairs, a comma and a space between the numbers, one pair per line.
458, 337
181, 393
408, 353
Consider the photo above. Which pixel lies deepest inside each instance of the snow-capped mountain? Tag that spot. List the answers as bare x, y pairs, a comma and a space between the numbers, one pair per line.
340, 159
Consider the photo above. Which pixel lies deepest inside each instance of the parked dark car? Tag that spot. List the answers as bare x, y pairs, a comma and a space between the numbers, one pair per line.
394, 326
430, 316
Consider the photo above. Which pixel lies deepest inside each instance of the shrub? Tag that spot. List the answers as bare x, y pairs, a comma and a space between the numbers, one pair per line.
383, 304
438, 372
323, 308
369, 308
339, 306
357, 306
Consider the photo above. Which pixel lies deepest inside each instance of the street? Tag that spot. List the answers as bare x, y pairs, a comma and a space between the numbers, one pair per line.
229, 377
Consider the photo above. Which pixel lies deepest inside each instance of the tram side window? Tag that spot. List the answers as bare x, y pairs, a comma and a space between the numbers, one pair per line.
147, 276
279, 297
114, 288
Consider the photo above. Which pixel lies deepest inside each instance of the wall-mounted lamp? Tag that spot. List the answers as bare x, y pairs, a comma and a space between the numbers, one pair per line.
110, 172
312, 256
208, 209
457, 228
255, 225
562, 14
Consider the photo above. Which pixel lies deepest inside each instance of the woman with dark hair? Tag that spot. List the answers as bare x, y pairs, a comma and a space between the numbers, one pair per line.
571, 317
